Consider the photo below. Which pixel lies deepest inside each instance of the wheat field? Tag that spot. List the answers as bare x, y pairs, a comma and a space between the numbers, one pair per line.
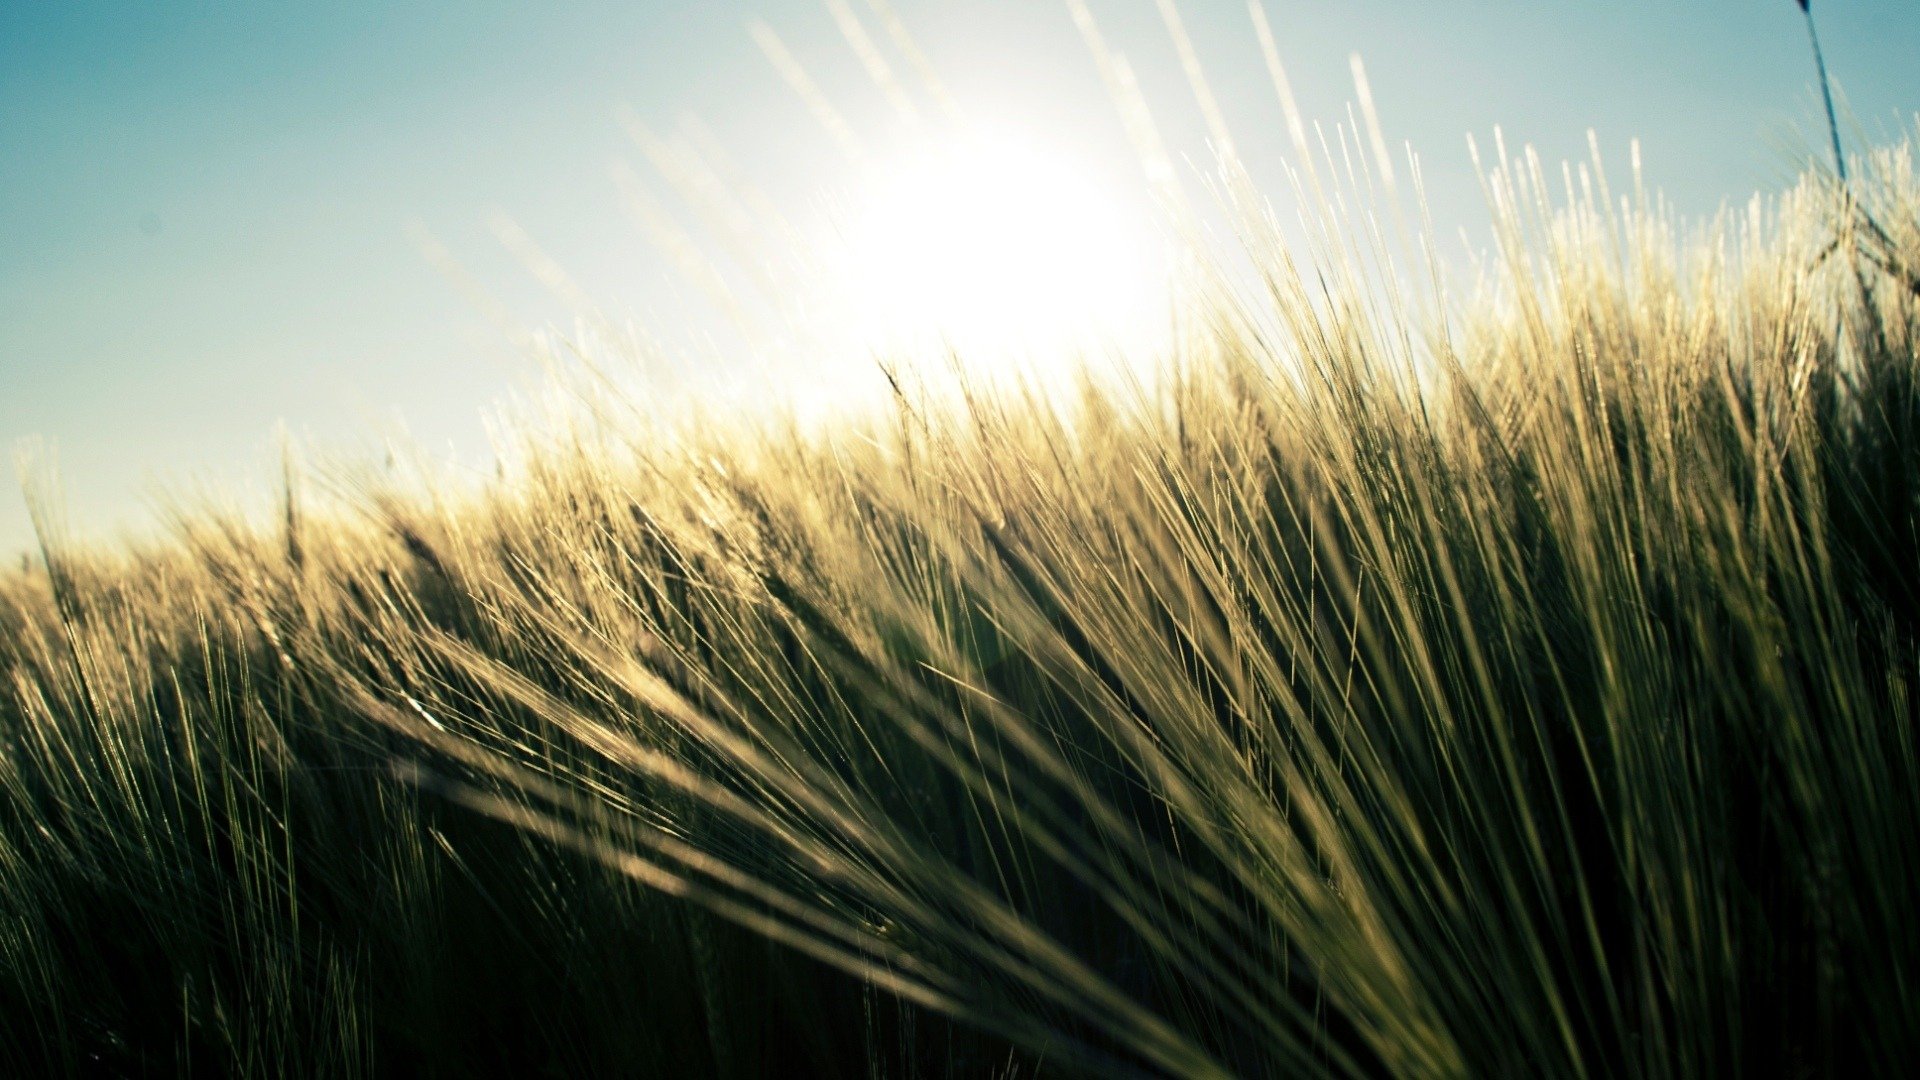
1403, 679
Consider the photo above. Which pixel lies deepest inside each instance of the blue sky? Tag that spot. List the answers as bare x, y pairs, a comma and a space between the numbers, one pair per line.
205, 206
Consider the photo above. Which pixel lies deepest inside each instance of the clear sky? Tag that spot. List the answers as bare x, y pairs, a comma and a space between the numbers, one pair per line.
205, 207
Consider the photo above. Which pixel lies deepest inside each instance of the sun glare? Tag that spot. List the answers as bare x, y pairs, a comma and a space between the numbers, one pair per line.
1000, 249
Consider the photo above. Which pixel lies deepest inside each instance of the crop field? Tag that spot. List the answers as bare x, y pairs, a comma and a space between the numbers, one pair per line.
1398, 678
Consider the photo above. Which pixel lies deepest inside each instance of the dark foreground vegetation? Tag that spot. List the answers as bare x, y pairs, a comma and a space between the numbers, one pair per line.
1398, 684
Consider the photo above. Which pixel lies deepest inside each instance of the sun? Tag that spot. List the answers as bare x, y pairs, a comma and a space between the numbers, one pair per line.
996, 247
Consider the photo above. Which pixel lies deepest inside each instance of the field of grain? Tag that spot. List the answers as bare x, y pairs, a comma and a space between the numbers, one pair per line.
1403, 680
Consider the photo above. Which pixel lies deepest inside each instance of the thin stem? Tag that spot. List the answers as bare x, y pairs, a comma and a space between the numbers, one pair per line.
1826, 92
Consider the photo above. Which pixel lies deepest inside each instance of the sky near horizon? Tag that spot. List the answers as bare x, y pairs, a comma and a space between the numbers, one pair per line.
209, 212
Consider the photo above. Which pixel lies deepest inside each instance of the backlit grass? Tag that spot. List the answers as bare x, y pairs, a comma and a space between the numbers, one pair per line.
1400, 681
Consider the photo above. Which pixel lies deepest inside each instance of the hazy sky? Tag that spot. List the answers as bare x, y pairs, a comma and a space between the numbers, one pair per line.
204, 207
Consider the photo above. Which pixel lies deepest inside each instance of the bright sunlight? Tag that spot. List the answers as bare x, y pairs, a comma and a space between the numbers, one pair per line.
998, 247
